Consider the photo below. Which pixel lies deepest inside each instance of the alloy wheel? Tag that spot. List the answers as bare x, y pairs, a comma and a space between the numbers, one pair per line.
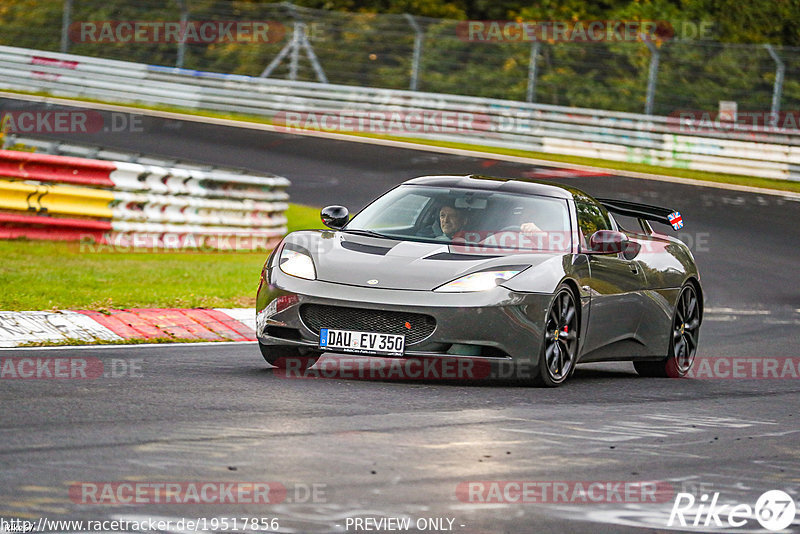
561, 337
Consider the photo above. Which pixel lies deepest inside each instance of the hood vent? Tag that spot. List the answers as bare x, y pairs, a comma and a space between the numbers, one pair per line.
453, 256
366, 249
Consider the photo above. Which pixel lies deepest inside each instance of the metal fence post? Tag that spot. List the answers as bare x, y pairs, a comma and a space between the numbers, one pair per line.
533, 70
66, 20
777, 88
417, 51
182, 40
312, 57
652, 75
294, 55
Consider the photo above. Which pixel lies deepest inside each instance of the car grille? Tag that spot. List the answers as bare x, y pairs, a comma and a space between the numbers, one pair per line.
316, 316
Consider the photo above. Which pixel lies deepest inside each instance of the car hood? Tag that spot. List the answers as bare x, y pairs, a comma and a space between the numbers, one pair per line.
357, 260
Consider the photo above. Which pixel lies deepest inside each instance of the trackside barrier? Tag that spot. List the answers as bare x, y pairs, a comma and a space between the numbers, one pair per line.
134, 205
683, 142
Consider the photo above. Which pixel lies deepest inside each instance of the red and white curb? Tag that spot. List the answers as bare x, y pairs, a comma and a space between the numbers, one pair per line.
203, 324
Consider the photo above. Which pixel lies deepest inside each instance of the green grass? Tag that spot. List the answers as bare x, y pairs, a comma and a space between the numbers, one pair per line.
303, 217
41, 275
736, 179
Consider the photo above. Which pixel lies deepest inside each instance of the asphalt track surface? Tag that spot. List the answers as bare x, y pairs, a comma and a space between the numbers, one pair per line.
396, 448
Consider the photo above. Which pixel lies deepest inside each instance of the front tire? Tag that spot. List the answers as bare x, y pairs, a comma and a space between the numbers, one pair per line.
286, 357
560, 344
684, 335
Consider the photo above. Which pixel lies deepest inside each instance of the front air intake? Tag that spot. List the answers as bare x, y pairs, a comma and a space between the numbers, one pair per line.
415, 326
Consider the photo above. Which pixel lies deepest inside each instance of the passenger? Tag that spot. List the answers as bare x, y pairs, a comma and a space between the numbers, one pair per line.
529, 228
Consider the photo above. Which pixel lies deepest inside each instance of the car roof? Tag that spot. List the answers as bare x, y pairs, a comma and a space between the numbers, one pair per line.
506, 185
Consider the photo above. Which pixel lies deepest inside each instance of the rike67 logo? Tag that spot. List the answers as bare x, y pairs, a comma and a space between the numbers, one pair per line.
774, 510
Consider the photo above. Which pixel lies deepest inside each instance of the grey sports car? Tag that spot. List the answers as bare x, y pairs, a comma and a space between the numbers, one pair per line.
529, 274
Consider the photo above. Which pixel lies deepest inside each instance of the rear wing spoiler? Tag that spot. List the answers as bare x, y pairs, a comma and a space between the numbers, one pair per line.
644, 212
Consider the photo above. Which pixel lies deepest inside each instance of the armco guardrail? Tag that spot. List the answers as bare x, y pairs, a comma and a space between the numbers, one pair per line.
667, 141
134, 205
86, 151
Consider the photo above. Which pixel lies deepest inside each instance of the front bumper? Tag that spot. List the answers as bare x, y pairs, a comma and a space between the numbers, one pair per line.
498, 324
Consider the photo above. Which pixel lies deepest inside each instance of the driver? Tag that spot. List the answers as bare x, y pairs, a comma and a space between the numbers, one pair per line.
452, 220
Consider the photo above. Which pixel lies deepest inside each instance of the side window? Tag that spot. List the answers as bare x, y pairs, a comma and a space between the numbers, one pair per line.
591, 218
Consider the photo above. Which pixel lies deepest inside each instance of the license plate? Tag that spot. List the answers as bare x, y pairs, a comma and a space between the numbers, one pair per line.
361, 342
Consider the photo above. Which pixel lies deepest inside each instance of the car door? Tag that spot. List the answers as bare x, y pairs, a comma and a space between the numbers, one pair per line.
616, 286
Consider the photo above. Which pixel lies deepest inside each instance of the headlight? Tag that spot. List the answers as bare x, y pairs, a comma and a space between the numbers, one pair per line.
480, 281
297, 264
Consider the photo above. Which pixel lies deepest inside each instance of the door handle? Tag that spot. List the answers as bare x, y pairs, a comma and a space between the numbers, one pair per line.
634, 269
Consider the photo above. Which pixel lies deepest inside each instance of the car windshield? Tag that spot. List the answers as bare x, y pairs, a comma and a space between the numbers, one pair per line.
475, 219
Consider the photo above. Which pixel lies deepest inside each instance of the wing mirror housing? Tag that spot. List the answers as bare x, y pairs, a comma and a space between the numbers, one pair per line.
334, 217
608, 242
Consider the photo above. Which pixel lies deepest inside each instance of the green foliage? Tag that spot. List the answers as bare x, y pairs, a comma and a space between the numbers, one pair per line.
758, 21
31, 23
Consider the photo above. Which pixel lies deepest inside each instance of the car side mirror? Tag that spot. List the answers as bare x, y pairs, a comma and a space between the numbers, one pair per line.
608, 242
334, 217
